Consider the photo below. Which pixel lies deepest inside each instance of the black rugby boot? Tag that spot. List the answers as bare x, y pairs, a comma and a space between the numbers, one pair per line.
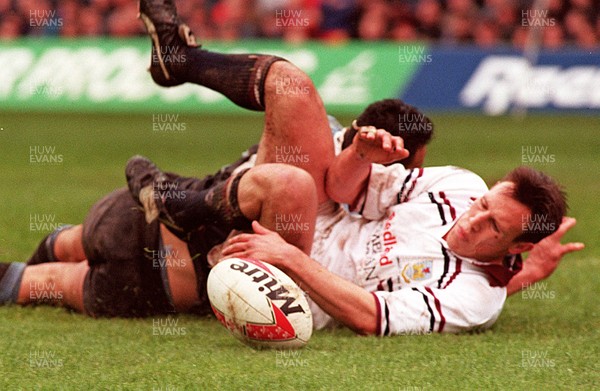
170, 39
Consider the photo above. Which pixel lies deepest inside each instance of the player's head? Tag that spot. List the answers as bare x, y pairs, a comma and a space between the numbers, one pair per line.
520, 210
399, 119
545, 199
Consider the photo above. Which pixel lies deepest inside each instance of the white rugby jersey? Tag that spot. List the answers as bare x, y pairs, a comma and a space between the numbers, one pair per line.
395, 250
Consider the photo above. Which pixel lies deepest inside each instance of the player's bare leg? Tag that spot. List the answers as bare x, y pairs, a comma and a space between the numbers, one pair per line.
57, 283
176, 59
296, 128
180, 272
69, 246
281, 197
62, 245
54, 283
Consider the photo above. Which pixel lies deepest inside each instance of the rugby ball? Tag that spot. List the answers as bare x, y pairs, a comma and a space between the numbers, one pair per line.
259, 304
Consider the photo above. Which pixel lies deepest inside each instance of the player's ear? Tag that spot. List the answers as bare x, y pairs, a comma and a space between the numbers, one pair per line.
520, 247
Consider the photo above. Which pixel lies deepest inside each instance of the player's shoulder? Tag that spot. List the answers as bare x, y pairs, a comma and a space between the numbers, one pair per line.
450, 171
454, 177
480, 302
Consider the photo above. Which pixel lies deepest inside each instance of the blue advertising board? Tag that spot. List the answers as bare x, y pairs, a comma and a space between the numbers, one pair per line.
503, 80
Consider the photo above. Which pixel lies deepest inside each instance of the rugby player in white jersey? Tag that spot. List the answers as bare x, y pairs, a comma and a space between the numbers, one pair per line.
432, 251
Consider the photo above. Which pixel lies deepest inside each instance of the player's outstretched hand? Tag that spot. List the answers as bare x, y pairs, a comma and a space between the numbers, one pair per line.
378, 145
264, 245
544, 258
547, 254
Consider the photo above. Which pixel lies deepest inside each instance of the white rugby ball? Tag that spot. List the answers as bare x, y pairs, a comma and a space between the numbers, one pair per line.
259, 304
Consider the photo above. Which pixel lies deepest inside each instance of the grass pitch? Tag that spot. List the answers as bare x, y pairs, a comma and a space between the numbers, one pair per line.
54, 167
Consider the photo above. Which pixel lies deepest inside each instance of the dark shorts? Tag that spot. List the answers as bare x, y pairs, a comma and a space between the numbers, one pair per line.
124, 279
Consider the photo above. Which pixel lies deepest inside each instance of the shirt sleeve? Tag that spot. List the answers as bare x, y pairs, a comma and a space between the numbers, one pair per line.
465, 305
394, 184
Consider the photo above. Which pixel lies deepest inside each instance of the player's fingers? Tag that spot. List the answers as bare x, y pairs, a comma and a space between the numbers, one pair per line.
403, 154
363, 135
241, 248
398, 147
386, 139
371, 133
259, 228
231, 250
368, 132
571, 247
241, 238
397, 143
567, 224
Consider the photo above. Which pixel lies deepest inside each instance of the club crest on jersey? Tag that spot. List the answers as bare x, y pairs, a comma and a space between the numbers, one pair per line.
417, 271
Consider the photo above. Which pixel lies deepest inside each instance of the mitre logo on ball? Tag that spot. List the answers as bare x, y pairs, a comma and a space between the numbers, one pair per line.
259, 304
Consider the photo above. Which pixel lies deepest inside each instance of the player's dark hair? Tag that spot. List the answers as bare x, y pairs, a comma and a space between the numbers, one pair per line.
399, 119
545, 199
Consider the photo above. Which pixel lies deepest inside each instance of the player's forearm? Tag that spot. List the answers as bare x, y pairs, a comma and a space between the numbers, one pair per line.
347, 177
522, 280
344, 301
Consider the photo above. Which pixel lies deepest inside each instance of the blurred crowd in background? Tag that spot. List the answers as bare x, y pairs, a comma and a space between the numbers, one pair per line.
557, 24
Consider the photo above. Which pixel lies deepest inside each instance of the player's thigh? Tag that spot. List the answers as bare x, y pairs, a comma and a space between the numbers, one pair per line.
296, 129
69, 245
72, 280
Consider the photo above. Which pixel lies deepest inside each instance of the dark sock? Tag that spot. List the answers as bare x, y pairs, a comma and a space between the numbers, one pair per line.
45, 250
10, 281
209, 206
197, 184
240, 77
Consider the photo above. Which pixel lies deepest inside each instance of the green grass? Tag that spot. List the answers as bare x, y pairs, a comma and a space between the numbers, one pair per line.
84, 353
